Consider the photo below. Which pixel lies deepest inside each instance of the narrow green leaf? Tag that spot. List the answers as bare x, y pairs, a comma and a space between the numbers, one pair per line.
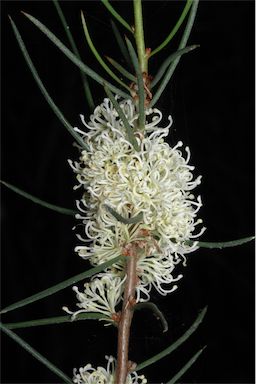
182, 45
185, 367
60, 286
73, 58
86, 86
55, 320
116, 15
122, 116
132, 220
141, 92
225, 244
56, 208
121, 69
175, 28
97, 55
42, 88
154, 308
36, 354
169, 60
121, 44
176, 344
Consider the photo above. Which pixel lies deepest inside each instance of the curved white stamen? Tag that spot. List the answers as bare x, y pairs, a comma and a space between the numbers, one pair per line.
100, 375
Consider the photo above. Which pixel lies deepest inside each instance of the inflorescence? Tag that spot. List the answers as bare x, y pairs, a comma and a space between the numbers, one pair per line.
156, 183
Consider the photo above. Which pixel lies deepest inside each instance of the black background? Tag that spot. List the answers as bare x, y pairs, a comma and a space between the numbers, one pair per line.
211, 99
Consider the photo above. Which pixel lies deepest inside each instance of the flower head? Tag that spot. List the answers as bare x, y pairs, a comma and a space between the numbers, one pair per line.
100, 375
156, 181
100, 295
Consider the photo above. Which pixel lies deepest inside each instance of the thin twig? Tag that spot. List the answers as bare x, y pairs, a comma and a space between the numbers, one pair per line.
124, 325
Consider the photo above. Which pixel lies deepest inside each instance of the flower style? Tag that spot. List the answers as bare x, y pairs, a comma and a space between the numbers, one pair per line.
100, 295
89, 375
156, 181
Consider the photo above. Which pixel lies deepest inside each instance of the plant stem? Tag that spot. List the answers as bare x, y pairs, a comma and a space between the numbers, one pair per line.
139, 36
124, 325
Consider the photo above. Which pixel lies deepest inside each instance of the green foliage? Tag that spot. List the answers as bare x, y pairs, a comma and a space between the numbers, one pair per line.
128, 128
42, 88
36, 354
225, 244
176, 344
121, 44
116, 15
121, 69
97, 55
64, 211
55, 320
73, 58
175, 28
131, 220
85, 82
185, 367
58, 287
168, 61
182, 45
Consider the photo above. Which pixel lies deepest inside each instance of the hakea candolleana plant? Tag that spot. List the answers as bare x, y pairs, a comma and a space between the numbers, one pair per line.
137, 208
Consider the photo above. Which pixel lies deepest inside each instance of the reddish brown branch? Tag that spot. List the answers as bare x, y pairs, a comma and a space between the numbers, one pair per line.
124, 325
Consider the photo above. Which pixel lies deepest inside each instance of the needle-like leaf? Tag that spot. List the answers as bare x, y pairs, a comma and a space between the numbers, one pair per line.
176, 344
182, 45
175, 28
185, 367
42, 88
224, 244
131, 220
169, 60
55, 320
86, 86
116, 15
60, 286
73, 58
36, 354
154, 308
56, 208
122, 116
141, 92
97, 55
121, 69
121, 44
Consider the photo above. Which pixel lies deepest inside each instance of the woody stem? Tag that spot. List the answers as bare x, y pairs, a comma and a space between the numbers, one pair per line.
122, 368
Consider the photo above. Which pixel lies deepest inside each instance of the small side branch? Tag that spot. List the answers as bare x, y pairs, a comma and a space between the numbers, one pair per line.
124, 325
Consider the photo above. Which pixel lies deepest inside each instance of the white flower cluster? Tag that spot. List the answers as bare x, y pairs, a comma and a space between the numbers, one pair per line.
89, 375
100, 295
155, 182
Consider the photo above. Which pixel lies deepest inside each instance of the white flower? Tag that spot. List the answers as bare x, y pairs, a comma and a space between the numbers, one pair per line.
156, 181
100, 295
100, 375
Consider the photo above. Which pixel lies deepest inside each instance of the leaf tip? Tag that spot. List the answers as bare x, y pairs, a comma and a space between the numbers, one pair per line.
204, 310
